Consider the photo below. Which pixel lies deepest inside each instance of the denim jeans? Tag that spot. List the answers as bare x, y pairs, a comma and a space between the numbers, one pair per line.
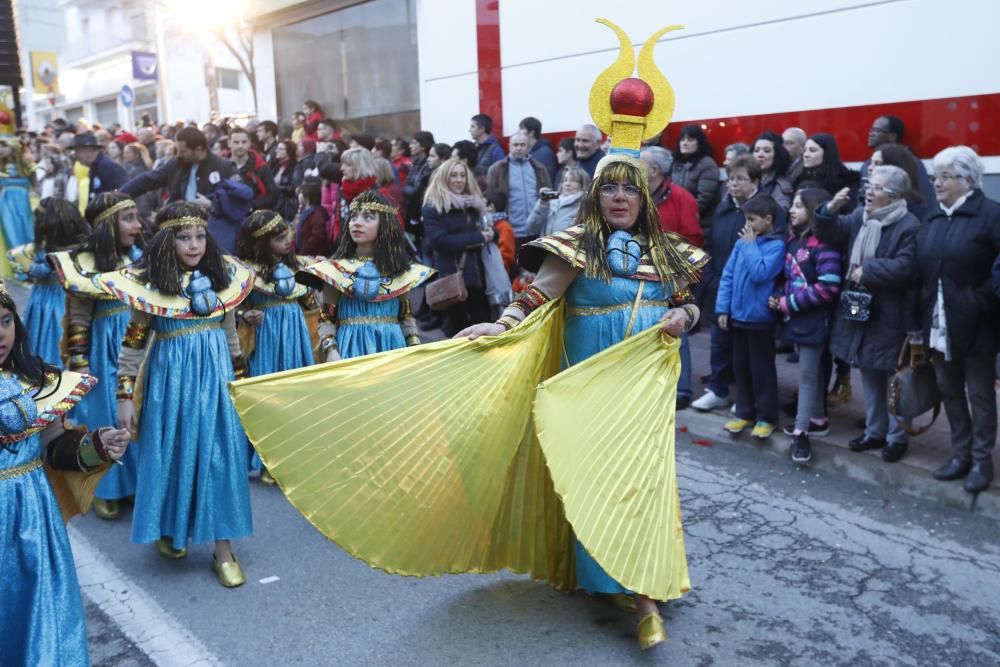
721, 359
878, 423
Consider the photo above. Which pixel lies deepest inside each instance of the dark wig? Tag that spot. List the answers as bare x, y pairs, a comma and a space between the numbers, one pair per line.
782, 160
900, 156
163, 270
693, 131
103, 241
831, 174
59, 225
391, 252
256, 249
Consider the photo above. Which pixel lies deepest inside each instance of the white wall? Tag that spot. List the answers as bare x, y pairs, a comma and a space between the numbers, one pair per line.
448, 66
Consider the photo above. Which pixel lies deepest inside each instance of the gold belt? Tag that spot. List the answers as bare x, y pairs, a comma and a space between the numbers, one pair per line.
23, 469
574, 311
382, 319
271, 302
110, 311
197, 328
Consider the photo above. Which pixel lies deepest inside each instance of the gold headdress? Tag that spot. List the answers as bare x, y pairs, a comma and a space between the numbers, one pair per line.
271, 225
3, 290
186, 221
372, 206
112, 210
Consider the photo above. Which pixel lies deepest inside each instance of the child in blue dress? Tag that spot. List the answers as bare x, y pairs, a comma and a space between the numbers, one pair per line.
192, 481
274, 310
366, 285
97, 324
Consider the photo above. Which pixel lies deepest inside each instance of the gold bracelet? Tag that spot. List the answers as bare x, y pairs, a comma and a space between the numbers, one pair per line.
508, 322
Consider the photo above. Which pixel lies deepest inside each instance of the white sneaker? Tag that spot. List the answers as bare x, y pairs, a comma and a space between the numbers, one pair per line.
709, 401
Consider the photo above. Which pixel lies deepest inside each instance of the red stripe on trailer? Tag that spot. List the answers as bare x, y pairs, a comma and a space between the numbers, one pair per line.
488, 53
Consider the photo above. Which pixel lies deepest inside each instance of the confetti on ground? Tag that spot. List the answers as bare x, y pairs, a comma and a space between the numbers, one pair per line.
269, 580
702, 442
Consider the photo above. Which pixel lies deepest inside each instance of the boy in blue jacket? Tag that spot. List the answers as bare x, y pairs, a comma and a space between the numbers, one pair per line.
742, 308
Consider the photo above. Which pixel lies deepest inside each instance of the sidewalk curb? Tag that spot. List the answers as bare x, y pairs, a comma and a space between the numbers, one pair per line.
866, 467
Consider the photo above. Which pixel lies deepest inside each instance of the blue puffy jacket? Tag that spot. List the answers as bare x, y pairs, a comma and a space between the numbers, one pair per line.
748, 280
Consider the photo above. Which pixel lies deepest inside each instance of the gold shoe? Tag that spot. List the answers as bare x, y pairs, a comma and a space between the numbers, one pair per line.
106, 509
651, 631
265, 478
623, 601
166, 548
230, 574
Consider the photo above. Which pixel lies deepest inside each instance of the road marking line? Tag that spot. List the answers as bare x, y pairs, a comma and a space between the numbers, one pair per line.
155, 632
269, 580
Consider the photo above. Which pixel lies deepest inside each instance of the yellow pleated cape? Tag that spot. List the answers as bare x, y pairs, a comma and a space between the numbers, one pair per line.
424, 461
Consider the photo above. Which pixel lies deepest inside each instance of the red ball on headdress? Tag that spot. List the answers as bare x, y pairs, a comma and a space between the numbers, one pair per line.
632, 97
4, 118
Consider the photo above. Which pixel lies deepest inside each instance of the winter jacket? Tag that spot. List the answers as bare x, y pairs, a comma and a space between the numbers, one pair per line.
701, 179
173, 175
257, 175
452, 234
311, 236
834, 183
554, 215
489, 153
414, 187
780, 188
888, 276
809, 290
590, 164
106, 175
723, 235
284, 183
748, 281
542, 152
678, 211
231, 204
959, 251
521, 196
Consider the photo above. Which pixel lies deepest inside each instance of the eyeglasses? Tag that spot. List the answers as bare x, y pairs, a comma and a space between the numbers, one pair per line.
878, 189
944, 177
739, 179
611, 189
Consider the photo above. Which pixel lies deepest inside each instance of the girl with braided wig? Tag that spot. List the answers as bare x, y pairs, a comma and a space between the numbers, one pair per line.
366, 285
192, 481
274, 310
41, 618
619, 274
58, 226
97, 324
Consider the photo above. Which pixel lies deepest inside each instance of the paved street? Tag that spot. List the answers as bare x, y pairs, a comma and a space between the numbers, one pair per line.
790, 567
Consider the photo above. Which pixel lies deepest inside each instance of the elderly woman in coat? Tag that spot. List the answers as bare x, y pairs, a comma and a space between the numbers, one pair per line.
956, 248
880, 241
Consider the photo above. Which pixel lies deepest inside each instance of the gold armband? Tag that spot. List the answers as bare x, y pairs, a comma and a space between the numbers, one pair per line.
681, 297
136, 335
126, 387
508, 322
529, 300
412, 339
328, 313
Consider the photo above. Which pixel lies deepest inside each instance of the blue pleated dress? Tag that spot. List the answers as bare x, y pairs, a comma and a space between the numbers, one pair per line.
43, 319
192, 483
367, 327
281, 340
41, 613
16, 221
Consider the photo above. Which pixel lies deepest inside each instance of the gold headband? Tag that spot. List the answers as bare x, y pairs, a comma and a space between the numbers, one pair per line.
186, 221
3, 289
273, 224
108, 212
372, 206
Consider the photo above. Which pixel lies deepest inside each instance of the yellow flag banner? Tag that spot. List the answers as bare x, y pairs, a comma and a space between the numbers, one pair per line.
606, 427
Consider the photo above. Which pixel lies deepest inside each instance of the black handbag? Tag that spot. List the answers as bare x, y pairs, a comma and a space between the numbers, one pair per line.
856, 305
913, 389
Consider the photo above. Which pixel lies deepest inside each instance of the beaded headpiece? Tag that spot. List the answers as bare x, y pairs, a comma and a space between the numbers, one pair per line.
112, 210
372, 206
185, 221
271, 225
3, 290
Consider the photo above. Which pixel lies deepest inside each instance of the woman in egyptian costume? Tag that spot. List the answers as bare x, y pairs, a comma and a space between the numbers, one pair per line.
543, 443
97, 323
47, 475
179, 351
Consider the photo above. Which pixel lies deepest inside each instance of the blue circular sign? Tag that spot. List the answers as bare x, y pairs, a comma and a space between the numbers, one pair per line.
127, 95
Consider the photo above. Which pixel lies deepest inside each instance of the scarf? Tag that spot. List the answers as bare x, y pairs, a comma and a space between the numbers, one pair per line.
870, 233
351, 189
466, 201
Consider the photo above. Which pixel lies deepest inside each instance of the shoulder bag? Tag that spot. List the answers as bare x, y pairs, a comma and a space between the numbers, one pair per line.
913, 389
448, 291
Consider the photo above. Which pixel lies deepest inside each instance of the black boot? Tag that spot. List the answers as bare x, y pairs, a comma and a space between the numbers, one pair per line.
979, 477
894, 451
955, 468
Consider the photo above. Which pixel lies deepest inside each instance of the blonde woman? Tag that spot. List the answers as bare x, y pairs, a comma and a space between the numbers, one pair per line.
453, 207
358, 169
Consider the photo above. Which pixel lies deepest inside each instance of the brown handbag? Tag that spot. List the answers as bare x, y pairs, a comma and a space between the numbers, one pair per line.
913, 389
447, 291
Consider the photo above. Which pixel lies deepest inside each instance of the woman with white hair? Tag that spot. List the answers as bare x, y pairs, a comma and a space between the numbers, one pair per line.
880, 241
358, 169
956, 248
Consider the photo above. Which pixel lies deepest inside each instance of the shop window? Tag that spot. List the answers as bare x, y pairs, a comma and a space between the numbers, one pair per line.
229, 79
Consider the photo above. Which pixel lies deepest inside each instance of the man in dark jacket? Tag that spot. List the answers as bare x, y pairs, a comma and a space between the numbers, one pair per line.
416, 181
252, 170
105, 174
267, 136
190, 176
539, 148
890, 130
587, 146
489, 150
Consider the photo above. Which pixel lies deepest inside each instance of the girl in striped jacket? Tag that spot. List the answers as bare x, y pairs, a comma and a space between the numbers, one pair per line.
806, 300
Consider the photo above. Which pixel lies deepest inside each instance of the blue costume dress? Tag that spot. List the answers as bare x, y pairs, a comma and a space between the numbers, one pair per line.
97, 325
41, 613
600, 314
43, 316
365, 311
16, 221
192, 483
281, 340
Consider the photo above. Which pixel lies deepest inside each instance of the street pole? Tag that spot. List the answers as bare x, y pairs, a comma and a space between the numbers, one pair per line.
161, 66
